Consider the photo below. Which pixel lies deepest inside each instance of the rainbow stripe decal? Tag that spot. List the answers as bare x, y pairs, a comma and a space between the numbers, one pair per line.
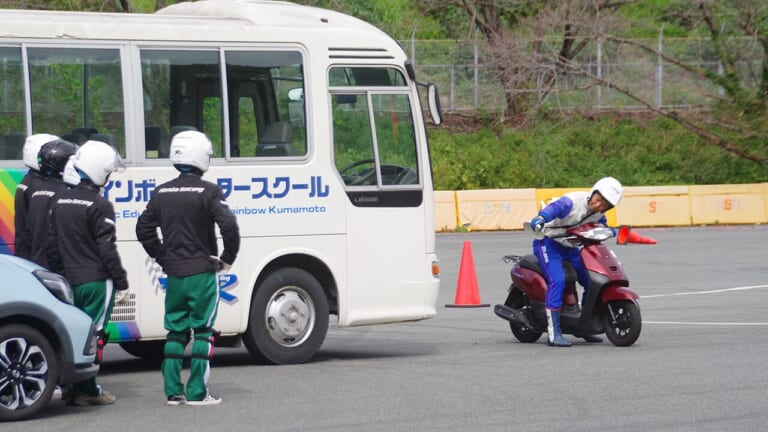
123, 331
9, 179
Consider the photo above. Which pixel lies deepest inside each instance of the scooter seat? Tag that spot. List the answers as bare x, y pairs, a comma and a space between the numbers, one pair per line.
532, 263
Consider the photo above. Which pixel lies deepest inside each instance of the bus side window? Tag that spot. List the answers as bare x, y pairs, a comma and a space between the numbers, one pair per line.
390, 157
352, 140
75, 87
12, 101
261, 109
182, 91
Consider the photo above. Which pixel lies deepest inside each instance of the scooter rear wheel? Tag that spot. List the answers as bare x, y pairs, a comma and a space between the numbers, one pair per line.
516, 299
622, 322
523, 333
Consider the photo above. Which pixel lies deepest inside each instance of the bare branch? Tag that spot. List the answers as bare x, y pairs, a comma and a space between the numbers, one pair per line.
701, 131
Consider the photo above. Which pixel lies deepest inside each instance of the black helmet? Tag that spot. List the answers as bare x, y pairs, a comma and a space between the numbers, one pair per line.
54, 155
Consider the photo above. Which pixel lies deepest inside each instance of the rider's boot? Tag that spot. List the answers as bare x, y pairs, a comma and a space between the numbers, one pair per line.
554, 335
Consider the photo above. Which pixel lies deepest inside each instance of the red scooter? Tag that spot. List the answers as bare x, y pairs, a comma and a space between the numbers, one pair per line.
610, 306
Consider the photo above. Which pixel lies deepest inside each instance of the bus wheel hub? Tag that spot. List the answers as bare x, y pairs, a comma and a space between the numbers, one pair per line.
289, 316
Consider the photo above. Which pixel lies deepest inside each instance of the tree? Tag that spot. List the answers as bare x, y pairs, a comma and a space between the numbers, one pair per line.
538, 45
520, 36
737, 31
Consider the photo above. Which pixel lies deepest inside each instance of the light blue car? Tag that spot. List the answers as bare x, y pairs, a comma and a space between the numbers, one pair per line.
45, 341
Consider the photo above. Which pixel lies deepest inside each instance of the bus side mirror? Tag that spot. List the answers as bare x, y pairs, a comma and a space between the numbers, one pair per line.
433, 101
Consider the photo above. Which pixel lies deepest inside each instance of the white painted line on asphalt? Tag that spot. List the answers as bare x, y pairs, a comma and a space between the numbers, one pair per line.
705, 323
745, 288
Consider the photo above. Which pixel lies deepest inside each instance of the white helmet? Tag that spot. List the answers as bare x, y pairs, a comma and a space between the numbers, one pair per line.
191, 148
32, 146
96, 160
70, 175
610, 189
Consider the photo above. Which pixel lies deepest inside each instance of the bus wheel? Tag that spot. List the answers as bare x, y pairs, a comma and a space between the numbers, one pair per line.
288, 319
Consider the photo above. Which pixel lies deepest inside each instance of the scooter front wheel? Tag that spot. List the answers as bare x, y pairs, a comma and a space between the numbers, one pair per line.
622, 322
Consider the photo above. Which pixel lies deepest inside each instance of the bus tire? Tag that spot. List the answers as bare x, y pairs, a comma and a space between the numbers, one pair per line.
288, 319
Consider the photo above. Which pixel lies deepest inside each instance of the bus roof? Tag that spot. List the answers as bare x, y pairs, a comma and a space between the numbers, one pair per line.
207, 20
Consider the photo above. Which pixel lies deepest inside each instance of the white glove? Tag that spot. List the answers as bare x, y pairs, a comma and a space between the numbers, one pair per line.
225, 268
121, 296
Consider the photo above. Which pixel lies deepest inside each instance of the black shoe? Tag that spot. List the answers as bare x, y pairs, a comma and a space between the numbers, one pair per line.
176, 400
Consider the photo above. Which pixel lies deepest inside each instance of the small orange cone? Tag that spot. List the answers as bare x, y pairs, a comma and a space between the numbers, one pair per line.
467, 294
626, 235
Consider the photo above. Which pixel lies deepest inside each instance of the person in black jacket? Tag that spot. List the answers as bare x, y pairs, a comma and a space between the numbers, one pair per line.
52, 158
82, 247
187, 209
28, 185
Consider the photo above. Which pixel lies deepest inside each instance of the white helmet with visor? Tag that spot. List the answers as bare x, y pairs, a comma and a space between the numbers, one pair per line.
610, 189
96, 160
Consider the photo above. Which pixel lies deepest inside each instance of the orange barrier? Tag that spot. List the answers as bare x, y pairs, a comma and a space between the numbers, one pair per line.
645, 206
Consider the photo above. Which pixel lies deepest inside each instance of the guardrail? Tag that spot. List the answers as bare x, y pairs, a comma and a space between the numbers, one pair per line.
643, 206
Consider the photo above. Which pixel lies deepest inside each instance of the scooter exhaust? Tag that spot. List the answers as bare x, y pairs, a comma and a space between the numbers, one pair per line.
513, 315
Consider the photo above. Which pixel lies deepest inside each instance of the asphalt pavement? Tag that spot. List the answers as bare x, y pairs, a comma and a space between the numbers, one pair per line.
699, 364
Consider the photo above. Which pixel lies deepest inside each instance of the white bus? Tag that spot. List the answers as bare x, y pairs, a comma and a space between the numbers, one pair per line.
320, 148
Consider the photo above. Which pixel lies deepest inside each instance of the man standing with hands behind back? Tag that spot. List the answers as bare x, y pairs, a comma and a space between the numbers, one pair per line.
187, 209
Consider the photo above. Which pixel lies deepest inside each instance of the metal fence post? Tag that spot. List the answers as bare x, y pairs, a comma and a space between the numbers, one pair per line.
660, 69
453, 87
476, 97
599, 72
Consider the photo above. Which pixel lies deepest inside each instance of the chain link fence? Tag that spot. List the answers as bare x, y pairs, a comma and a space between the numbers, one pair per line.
468, 80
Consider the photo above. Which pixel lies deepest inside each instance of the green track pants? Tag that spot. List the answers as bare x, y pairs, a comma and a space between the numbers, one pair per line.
96, 299
191, 303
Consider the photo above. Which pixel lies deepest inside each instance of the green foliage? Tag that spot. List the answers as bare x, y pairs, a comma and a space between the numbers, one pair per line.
398, 18
574, 151
648, 16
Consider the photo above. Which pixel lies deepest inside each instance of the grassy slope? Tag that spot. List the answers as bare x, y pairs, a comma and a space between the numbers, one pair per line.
576, 151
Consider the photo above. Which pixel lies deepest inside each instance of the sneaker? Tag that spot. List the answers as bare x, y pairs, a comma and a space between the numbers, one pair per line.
80, 399
176, 400
209, 399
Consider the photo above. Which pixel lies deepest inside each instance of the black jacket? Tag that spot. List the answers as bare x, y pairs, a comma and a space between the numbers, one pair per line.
41, 202
82, 237
186, 209
28, 185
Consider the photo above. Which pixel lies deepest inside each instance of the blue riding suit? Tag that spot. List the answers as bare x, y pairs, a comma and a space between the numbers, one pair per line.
570, 210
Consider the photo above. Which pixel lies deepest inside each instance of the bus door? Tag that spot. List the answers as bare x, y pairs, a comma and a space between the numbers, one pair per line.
377, 156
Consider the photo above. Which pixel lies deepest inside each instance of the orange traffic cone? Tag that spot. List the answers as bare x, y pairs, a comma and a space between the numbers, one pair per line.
467, 294
626, 235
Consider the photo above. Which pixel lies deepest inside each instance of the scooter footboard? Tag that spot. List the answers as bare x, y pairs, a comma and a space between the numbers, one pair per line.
617, 292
